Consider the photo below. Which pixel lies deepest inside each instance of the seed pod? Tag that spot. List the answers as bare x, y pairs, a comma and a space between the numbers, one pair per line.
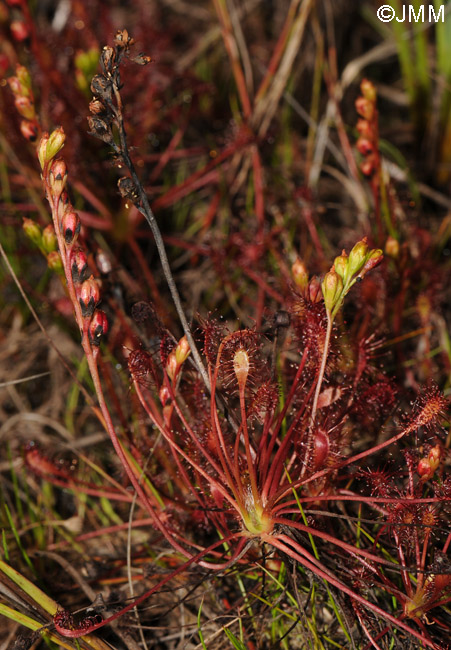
102, 87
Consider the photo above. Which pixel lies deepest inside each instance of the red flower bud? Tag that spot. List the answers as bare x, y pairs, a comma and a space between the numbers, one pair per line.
367, 166
19, 30
70, 226
364, 146
79, 265
89, 296
374, 258
365, 129
171, 365
58, 176
29, 130
182, 351
97, 327
365, 108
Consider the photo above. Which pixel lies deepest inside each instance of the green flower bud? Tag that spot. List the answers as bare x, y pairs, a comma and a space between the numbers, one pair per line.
332, 288
300, 274
32, 231
357, 257
392, 247
182, 351
341, 264
49, 241
54, 262
51, 145
368, 90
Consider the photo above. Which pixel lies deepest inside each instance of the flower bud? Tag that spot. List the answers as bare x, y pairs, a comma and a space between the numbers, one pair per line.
357, 257
29, 130
171, 365
51, 145
58, 176
25, 107
97, 327
341, 264
365, 108
164, 395
392, 247
314, 289
367, 167
365, 129
49, 241
70, 226
364, 146
368, 90
424, 469
79, 265
374, 258
32, 231
182, 351
54, 262
19, 30
15, 85
332, 287
300, 274
89, 296
24, 78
